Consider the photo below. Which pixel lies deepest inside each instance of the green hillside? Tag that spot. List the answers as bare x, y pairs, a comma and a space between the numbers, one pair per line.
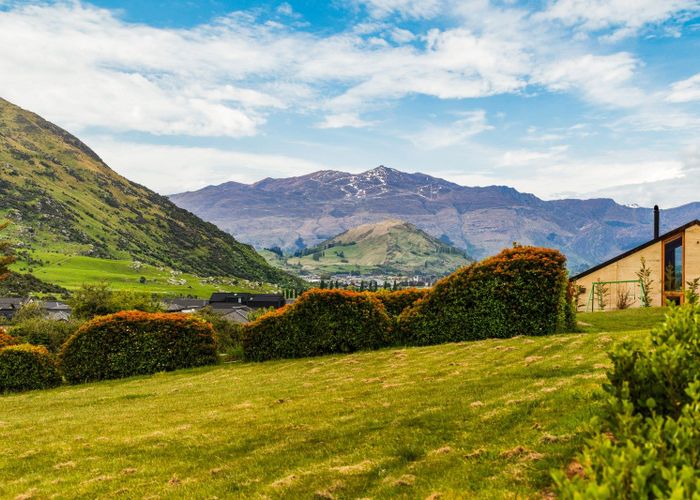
390, 246
63, 198
71, 271
487, 419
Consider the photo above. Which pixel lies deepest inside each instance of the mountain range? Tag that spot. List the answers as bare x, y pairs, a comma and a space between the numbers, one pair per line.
299, 212
389, 247
61, 197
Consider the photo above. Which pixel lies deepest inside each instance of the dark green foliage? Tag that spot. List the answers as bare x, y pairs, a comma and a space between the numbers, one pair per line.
137, 343
25, 367
228, 333
5, 258
520, 291
21, 285
319, 322
395, 302
647, 444
46, 332
98, 299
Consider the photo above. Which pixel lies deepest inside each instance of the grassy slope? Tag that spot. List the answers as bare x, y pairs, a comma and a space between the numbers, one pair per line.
62, 197
71, 271
388, 245
395, 422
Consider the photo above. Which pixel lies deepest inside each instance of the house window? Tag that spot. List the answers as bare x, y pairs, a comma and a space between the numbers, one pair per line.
673, 265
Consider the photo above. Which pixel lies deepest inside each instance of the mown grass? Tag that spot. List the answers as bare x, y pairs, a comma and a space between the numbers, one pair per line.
626, 319
72, 271
485, 419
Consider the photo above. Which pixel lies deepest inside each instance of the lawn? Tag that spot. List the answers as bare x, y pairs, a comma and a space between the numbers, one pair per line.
71, 271
487, 419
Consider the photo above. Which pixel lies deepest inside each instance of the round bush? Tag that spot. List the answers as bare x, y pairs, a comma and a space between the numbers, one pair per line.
319, 322
520, 291
137, 343
25, 367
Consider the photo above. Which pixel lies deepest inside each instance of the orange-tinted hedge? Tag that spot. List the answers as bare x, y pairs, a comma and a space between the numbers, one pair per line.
137, 343
319, 322
6, 339
396, 301
26, 367
520, 291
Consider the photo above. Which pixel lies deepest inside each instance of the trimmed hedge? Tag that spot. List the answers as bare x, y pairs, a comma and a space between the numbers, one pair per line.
520, 291
6, 339
395, 302
137, 343
26, 367
319, 322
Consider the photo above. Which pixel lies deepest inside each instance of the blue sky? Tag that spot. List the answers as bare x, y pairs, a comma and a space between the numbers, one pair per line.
560, 98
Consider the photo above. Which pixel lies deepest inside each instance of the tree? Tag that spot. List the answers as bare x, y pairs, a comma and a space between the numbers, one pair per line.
97, 299
5, 255
601, 293
644, 276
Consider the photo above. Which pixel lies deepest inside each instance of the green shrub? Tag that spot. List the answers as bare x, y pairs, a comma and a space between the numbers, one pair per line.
395, 302
647, 443
98, 299
26, 367
29, 310
654, 375
520, 291
47, 332
137, 343
644, 457
228, 333
319, 322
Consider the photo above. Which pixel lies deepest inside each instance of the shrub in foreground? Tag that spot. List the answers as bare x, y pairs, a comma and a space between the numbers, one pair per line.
47, 332
646, 445
137, 343
654, 375
25, 367
319, 322
395, 302
520, 291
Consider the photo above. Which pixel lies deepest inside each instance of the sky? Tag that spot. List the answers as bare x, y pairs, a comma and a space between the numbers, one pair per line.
560, 98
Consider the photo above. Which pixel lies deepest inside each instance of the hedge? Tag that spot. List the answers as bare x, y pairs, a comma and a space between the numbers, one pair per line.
6, 339
319, 322
26, 367
395, 302
137, 343
520, 291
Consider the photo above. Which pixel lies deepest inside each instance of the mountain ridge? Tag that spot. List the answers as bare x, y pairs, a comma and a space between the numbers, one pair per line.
305, 210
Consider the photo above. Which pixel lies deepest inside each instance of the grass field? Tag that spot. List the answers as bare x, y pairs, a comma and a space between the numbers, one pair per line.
487, 419
71, 271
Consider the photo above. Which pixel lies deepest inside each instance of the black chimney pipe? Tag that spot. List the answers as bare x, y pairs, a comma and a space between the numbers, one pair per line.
656, 222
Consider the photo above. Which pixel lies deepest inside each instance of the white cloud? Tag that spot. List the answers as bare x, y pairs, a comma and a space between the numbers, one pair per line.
342, 120
435, 137
624, 17
685, 90
405, 8
169, 169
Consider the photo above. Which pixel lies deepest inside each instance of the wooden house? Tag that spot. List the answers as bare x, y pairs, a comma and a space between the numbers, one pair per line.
671, 260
